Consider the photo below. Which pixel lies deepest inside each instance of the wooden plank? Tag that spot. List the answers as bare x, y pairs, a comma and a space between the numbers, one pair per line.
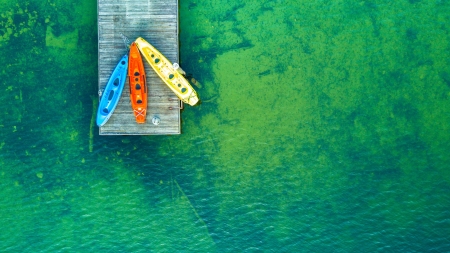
157, 22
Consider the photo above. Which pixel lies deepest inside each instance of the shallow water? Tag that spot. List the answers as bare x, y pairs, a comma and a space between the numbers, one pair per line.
324, 127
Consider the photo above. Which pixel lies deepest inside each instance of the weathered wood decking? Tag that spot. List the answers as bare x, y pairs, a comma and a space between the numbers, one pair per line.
157, 22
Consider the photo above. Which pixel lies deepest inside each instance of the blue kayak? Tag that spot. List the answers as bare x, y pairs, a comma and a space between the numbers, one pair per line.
112, 92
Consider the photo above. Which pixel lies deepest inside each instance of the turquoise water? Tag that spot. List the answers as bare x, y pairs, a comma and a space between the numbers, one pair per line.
324, 127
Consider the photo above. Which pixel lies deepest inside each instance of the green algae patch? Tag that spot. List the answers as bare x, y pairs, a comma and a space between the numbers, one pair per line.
40, 175
350, 96
67, 40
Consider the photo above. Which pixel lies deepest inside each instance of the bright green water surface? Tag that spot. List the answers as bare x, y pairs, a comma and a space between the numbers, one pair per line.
324, 127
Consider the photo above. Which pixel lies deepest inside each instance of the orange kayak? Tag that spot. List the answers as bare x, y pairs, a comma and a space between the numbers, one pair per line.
138, 85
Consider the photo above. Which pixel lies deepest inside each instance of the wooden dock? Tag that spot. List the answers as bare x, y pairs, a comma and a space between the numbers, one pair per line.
157, 22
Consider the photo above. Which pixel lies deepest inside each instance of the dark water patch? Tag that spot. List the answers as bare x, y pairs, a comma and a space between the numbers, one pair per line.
445, 76
202, 71
266, 7
416, 52
358, 114
280, 67
230, 14
218, 49
358, 10
395, 80
20, 18
192, 5
442, 3
375, 25
411, 34
85, 39
264, 73
425, 62
196, 41
380, 165
324, 100
405, 109
239, 32
199, 37
410, 143
63, 22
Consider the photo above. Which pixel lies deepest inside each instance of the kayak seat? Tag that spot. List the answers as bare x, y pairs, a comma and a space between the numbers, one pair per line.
111, 95
138, 87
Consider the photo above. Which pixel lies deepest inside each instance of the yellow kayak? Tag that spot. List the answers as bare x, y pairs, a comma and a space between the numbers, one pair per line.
163, 67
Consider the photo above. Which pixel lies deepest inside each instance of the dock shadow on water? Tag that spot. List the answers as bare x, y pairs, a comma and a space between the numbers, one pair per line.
323, 128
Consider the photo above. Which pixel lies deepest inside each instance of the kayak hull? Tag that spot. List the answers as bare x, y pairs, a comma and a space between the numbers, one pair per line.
138, 85
113, 91
171, 77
